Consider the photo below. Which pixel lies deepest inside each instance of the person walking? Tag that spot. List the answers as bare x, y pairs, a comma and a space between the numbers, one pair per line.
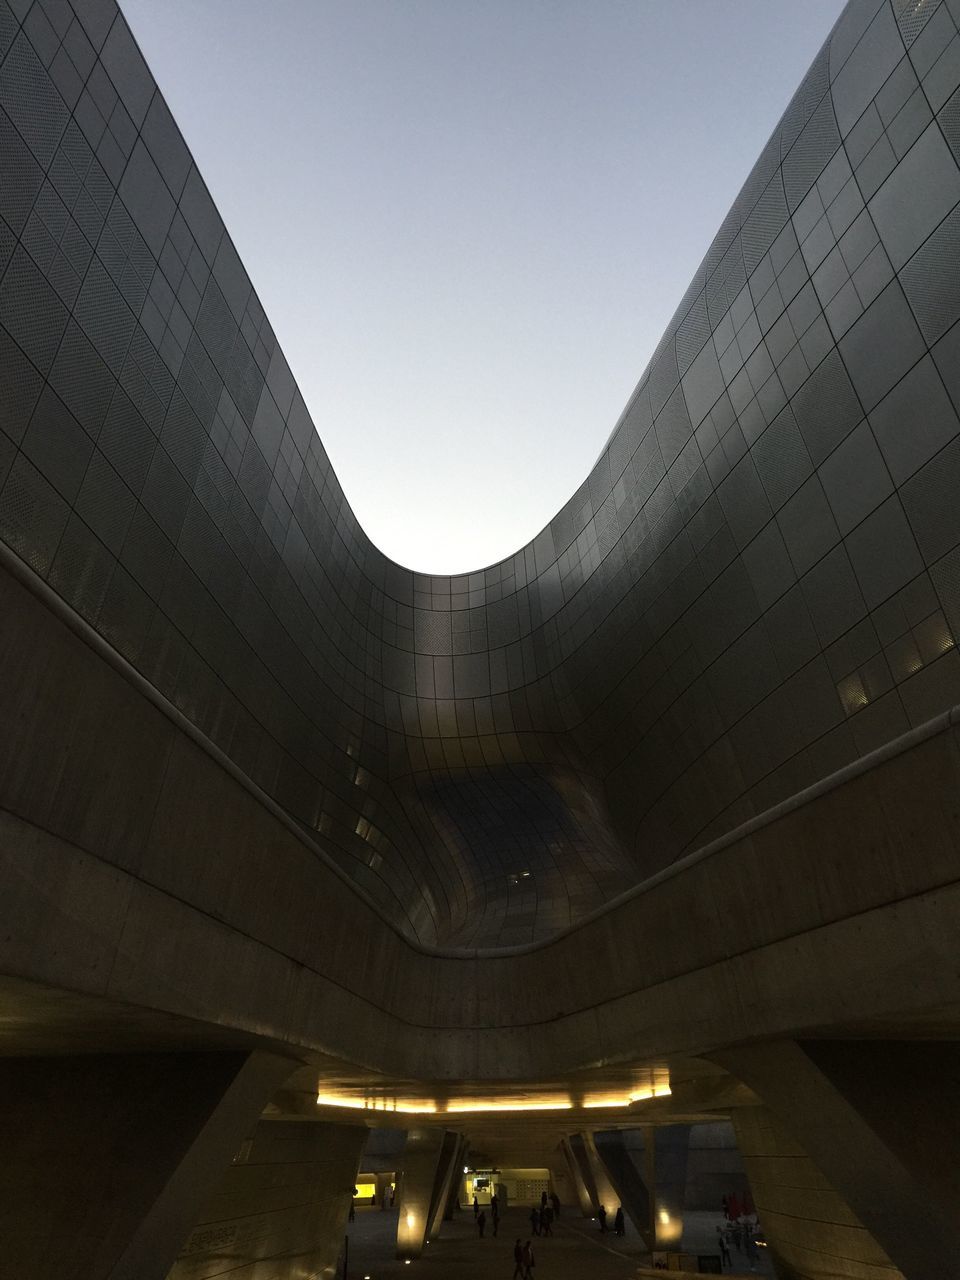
529, 1261
495, 1214
481, 1223
518, 1260
476, 1206
546, 1221
555, 1201
602, 1215
618, 1225
543, 1200
535, 1220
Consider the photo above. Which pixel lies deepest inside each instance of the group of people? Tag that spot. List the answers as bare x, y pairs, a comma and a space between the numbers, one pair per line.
523, 1260
542, 1218
480, 1215
619, 1224
739, 1228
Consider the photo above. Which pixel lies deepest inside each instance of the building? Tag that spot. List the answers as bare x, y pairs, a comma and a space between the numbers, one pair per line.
666, 799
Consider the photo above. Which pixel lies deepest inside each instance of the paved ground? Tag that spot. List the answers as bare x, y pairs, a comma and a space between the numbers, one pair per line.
576, 1251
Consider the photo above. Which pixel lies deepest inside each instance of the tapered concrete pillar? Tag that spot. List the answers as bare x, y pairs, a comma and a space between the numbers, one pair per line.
811, 1231
620, 1155
600, 1189
279, 1212
581, 1192
668, 1144
106, 1160
562, 1181
421, 1160
447, 1168
453, 1191
880, 1121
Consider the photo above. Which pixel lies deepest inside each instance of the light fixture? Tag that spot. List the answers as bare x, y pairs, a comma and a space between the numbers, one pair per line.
491, 1104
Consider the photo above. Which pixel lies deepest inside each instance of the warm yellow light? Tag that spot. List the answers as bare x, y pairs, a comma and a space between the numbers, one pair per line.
491, 1104
334, 1100
662, 1091
622, 1101
411, 1221
407, 1106
639, 1094
664, 1218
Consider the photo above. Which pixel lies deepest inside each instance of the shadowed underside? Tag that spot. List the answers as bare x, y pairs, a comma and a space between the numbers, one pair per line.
758, 582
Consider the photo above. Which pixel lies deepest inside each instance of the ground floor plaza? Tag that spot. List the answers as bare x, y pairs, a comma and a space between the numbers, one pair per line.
575, 1251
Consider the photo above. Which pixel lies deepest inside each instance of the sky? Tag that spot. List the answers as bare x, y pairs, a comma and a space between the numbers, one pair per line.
470, 221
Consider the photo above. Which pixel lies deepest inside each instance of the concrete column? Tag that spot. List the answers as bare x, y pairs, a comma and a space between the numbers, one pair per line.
421, 1159
581, 1162
453, 1191
106, 1159
631, 1188
280, 1211
599, 1187
447, 1169
880, 1120
581, 1192
562, 1180
811, 1231
669, 1144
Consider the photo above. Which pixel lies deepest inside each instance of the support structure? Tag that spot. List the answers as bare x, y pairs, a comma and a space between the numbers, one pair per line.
280, 1209
575, 1173
421, 1163
447, 1170
108, 1159
880, 1123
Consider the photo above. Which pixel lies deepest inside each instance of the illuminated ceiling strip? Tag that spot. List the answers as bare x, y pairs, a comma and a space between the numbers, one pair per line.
460, 1107
376, 1104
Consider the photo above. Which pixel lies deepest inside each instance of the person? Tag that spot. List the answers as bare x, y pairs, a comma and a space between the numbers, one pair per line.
476, 1206
495, 1214
618, 1221
555, 1200
535, 1220
546, 1221
481, 1222
602, 1215
724, 1251
543, 1200
518, 1260
529, 1262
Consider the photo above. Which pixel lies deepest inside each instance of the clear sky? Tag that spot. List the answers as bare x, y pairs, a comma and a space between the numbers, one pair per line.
469, 221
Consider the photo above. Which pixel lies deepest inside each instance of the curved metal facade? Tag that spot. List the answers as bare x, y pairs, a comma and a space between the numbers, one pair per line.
758, 582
